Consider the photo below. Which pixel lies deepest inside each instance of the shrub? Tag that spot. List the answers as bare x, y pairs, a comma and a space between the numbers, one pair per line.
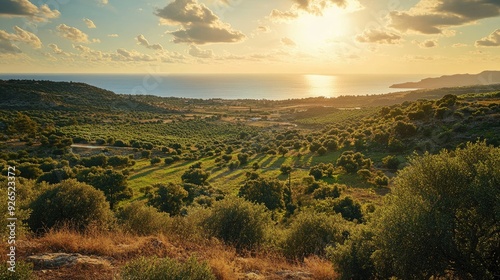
270, 192
453, 223
29, 170
238, 222
328, 191
310, 233
348, 208
155, 160
168, 198
140, 219
146, 154
285, 169
353, 258
71, 202
391, 162
352, 161
153, 268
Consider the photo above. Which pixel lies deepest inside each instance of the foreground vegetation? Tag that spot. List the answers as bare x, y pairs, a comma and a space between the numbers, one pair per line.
219, 189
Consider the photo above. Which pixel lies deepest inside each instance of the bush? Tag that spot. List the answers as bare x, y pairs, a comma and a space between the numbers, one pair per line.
348, 208
168, 198
453, 223
238, 222
352, 161
140, 219
353, 258
310, 233
270, 192
72, 202
391, 162
328, 191
155, 160
153, 268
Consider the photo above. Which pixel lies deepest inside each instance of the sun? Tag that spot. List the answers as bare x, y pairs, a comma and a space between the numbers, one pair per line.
315, 31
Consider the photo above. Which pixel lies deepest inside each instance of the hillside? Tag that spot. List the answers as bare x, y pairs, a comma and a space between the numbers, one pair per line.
167, 189
48, 95
483, 78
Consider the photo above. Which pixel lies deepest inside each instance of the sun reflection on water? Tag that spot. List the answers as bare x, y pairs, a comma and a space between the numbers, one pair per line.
321, 85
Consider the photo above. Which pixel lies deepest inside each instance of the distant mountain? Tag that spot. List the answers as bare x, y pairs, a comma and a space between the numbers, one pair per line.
483, 78
48, 95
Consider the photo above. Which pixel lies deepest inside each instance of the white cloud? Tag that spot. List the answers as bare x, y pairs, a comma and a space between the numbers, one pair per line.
427, 44
24, 8
141, 40
199, 53
199, 25
72, 33
492, 40
20, 35
114, 35
89, 23
378, 36
435, 16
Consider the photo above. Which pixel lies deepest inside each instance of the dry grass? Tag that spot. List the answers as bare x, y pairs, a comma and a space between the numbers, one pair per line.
120, 248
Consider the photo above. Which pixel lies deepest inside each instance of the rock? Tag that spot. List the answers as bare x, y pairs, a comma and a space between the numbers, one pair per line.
296, 275
55, 260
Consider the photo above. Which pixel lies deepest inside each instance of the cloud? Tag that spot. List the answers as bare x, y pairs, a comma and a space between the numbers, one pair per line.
315, 7
55, 49
102, 2
288, 42
143, 42
199, 25
263, 29
89, 23
378, 36
24, 8
20, 35
72, 33
492, 40
435, 16
459, 45
113, 35
428, 44
280, 16
199, 53
133, 55
120, 55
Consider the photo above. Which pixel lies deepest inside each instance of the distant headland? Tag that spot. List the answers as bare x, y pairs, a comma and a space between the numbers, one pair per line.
483, 78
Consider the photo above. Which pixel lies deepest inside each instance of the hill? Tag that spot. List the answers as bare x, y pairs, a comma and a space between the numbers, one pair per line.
483, 78
49, 95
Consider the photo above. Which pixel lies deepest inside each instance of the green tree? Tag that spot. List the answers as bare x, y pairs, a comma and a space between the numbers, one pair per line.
112, 183
311, 232
238, 222
442, 218
195, 175
271, 192
71, 202
168, 198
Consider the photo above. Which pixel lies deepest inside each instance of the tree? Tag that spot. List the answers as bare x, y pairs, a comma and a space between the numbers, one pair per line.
71, 202
441, 219
310, 233
285, 169
112, 183
271, 192
243, 158
238, 222
168, 198
195, 175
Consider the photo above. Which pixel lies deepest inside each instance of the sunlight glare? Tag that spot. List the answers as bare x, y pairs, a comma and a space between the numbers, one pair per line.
320, 85
315, 31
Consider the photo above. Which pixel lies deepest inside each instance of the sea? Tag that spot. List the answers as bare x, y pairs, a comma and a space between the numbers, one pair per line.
233, 86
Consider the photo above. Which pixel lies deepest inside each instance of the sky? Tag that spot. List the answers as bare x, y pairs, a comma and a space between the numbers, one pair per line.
250, 36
